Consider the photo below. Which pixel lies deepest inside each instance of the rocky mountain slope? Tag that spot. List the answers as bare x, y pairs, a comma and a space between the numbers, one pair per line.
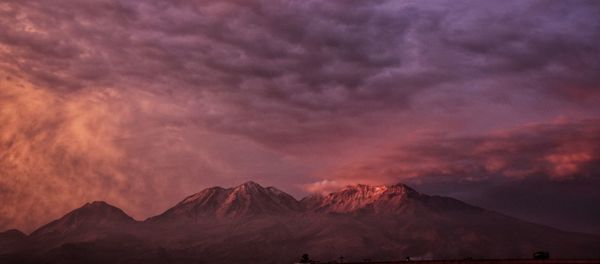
253, 224
248, 199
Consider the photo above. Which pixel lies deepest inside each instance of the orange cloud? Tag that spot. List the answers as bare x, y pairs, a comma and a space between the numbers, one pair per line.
568, 164
559, 151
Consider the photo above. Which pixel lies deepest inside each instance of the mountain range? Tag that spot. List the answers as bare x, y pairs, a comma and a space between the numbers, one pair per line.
254, 224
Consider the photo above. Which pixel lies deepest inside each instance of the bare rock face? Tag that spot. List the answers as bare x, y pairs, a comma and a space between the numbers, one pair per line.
253, 224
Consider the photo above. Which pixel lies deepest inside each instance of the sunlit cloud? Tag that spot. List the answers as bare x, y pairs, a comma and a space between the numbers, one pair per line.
141, 103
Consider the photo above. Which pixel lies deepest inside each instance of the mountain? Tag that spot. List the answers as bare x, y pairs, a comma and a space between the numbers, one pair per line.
248, 199
95, 215
387, 219
383, 199
254, 224
11, 235
90, 222
11, 239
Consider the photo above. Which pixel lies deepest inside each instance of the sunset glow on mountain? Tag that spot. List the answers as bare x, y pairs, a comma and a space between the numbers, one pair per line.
142, 103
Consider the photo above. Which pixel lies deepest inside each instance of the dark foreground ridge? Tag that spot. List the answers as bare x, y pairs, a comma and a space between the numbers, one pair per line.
254, 224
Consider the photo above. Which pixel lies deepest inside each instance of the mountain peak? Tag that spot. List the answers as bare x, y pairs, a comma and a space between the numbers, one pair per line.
362, 197
250, 184
10, 240
100, 210
96, 205
92, 214
249, 198
12, 234
249, 187
399, 187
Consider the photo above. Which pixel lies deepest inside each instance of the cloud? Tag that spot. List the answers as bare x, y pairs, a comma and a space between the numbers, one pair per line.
324, 186
151, 99
126, 147
308, 61
49, 150
546, 173
561, 151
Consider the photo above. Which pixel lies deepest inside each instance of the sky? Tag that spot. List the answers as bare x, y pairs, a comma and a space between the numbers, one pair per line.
141, 103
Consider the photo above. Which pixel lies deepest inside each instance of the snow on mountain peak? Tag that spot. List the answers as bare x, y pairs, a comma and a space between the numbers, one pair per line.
385, 221
250, 185
361, 197
249, 198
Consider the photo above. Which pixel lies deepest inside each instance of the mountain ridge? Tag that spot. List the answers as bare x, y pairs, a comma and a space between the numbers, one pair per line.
227, 225
96, 213
247, 199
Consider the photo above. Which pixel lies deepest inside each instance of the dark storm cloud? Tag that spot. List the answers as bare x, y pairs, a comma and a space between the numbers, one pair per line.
313, 67
159, 98
549, 43
342, 57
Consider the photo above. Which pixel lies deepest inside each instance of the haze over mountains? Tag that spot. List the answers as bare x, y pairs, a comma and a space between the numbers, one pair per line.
250, 223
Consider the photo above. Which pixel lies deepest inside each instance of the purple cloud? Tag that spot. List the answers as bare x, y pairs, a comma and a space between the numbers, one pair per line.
151, 99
